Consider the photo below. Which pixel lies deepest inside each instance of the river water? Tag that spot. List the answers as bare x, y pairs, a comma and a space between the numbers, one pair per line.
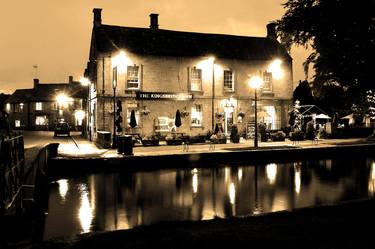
122, 201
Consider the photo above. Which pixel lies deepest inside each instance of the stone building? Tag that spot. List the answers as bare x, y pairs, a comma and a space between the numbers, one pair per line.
40, 107
204, 76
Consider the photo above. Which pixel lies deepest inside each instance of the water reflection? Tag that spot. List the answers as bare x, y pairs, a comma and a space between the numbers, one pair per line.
122, 201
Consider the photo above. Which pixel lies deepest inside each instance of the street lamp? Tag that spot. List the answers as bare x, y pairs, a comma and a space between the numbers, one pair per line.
212, 60
86, 82
255, 83
114, 85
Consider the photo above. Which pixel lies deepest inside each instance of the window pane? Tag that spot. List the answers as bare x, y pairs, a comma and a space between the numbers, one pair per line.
17, 123
228, 80
267, 81
41, 120
196, 115
196, 79
38, 106
133, 77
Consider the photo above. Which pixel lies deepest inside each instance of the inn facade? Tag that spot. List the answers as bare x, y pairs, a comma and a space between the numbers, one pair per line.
156, 72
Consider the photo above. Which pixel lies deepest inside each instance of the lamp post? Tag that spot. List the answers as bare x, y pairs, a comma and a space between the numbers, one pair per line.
212, 59
86, 82
255, 83
114, 85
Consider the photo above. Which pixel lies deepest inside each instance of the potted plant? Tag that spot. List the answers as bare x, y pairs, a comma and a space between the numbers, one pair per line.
278, 136
152, 140
172, 139
297, 135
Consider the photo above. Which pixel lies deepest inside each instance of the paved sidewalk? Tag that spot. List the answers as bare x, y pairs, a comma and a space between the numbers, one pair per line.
86, 148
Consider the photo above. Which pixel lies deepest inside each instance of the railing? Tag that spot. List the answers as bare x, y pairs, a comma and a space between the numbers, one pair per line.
12, 169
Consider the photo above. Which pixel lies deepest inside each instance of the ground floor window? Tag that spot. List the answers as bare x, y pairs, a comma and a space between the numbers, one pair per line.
137, 116
41, 120
196, 115
270, 118
17, 123
162, 124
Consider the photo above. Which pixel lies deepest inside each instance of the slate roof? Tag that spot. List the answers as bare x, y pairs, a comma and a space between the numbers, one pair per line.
46, 92
108, 38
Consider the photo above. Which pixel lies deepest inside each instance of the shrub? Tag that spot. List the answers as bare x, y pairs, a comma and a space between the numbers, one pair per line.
234, 137
279, 136
297, 136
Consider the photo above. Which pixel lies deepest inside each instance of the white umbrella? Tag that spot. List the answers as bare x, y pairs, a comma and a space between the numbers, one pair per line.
350, 116
323, 116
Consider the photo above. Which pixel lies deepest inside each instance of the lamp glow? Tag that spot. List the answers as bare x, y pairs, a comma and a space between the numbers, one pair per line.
62, 99
255, 82
84, 81
275, 69
121, 61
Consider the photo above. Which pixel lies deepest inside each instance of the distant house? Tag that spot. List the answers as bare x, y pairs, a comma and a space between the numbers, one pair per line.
205, 76
40, 107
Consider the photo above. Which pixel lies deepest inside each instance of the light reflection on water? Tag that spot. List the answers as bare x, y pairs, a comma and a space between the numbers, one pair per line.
121, 201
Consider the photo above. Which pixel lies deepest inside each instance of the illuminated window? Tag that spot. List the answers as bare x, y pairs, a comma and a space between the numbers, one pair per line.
41, 120
196, 115
267, 82
228, 81
196, 79
17, 123
133, 81
18, 107
38, 106
270, 118
7, 107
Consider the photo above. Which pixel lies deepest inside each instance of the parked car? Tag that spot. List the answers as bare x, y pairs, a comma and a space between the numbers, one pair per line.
62, 128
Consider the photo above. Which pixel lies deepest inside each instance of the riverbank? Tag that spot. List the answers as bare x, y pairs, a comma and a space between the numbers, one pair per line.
154, 158
344, 226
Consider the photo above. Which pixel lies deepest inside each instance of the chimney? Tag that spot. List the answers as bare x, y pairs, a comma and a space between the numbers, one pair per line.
271, 31
154, 21
36, 83
70, 79
97, 17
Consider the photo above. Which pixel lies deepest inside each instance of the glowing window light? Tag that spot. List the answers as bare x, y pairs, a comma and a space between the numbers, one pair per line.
63, 188
232, 193
195, 183
371, 181
297, 180
239, 174
79, 115
7, 107
85, 211
275, 69
271, 171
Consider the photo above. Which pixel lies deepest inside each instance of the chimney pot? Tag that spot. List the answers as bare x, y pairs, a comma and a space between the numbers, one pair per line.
271, 31
154, 21
36, 83
97, 17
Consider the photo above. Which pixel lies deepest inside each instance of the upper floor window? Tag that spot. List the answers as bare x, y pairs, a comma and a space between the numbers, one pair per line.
18, 107
133, 77
38, 106
7, 107
17, 123
196, 115
228, 81
267, 82
196, 79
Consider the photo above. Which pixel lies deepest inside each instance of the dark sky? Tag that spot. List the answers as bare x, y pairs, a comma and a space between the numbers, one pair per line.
55, 34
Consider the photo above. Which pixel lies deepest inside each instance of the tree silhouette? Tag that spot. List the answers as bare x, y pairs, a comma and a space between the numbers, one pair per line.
303, 93
341, 35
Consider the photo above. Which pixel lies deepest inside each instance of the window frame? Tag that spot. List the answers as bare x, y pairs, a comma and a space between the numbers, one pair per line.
195, 81
226, 89
38, 106
269, 87
129, 77
194, 113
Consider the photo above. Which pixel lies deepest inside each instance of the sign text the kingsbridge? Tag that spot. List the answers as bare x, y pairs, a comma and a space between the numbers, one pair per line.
159, 95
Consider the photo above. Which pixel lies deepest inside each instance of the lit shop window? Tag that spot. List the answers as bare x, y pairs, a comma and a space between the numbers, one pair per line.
17, 123
196, 115
196, 79
133, 77
228, 81
41, 120
38, 106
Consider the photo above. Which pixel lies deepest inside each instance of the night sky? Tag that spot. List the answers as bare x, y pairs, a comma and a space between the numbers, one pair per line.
55, 35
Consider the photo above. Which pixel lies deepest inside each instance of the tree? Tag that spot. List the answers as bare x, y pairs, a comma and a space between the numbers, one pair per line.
341, 34
303, 93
